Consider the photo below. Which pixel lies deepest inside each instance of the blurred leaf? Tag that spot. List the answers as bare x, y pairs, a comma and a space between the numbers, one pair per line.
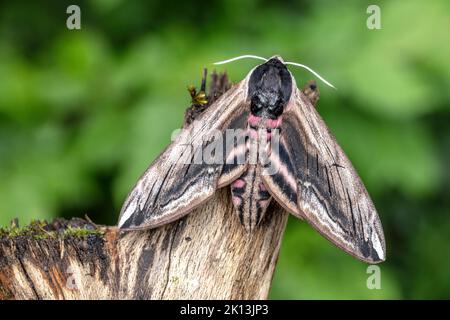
388, 154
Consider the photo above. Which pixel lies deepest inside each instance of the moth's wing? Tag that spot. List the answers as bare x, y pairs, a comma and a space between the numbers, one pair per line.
279, 175
330, 194
179, 180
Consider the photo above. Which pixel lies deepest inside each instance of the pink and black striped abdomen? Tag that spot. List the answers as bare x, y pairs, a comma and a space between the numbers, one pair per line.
250, 198
249, 194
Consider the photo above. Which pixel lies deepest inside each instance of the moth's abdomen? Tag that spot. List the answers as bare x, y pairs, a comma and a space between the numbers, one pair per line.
250, 198
249, 194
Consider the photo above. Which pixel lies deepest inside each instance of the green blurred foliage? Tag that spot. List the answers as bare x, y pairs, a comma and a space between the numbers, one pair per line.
83, 113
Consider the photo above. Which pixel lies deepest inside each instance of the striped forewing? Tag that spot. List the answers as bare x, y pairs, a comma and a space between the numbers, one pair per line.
174, 183
316, 181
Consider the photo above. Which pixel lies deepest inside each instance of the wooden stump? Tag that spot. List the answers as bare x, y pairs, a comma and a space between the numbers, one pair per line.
206, 255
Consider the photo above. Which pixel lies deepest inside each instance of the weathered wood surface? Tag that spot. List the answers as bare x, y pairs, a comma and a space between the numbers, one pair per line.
205, 255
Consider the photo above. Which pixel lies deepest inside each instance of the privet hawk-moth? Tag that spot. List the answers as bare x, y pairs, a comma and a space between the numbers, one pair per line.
307, 173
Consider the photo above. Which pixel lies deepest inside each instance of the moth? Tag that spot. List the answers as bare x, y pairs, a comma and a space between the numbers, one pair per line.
310, 176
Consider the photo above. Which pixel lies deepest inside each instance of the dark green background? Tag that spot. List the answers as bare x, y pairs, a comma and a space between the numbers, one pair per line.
82, 114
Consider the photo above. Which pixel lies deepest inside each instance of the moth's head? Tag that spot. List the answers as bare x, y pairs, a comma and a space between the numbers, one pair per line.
270, 85
269, 88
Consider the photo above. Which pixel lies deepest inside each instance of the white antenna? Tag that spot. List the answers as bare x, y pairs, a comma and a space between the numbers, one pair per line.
241, 57
286, 63
312, 71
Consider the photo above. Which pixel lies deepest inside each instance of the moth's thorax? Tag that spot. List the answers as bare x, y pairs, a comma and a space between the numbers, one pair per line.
269, 90
262, 125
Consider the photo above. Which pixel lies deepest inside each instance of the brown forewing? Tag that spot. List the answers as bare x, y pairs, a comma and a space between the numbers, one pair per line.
174, 184
329, 193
